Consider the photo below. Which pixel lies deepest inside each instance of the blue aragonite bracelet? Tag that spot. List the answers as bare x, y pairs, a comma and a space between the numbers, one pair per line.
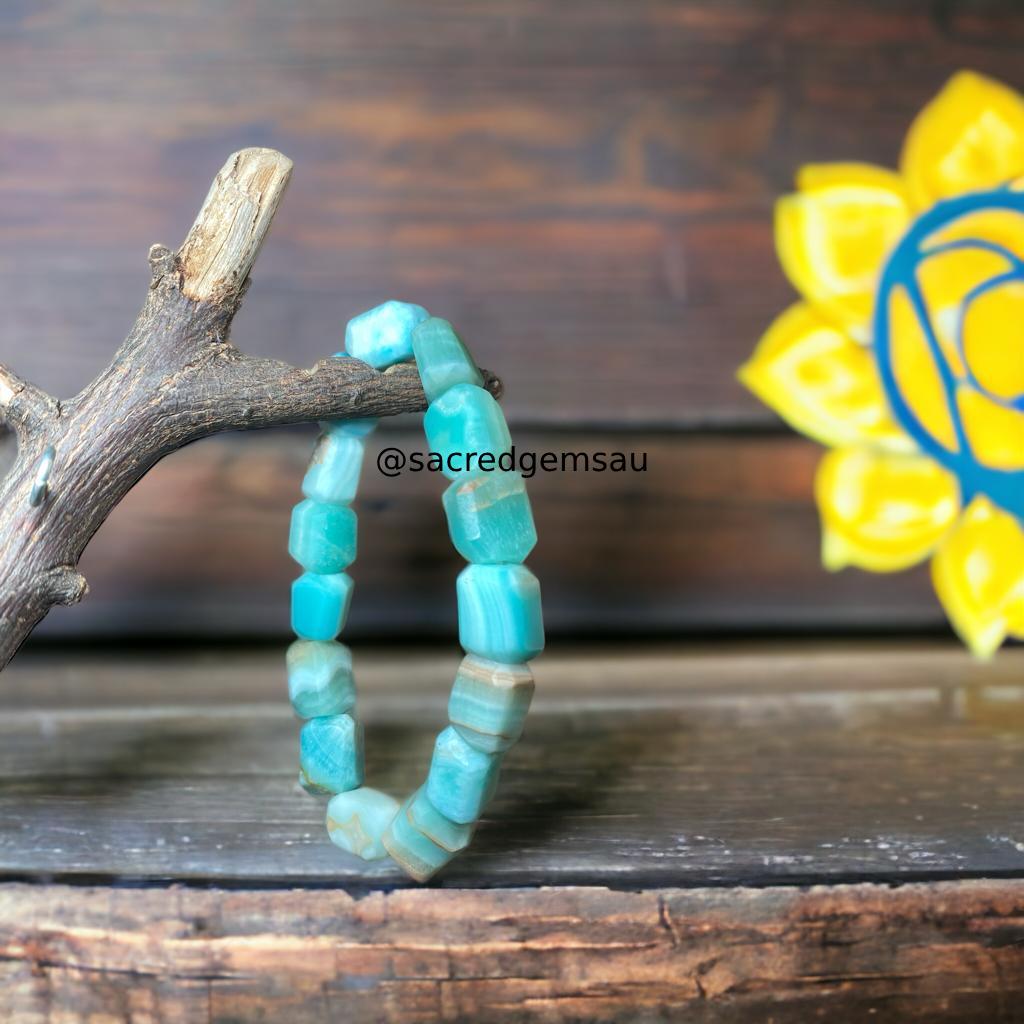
500, 625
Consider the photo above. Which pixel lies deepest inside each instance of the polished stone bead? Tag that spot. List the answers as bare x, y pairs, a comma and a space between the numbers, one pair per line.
441, 358
489, 701
414, 852
382, 336
331, 753
489, 517
334, 469
352, 428
320, 680
311, 787
499, 612
461, 779
449, 835
323, 536
357, 820
320, 605
465, 421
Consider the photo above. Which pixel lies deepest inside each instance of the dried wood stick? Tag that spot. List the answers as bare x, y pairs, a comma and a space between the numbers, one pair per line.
176, 378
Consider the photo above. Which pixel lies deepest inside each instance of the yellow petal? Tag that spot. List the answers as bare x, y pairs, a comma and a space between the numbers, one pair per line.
1015, 614
994, 432
821, 382
978, 574
969, 138
880, 511
916, 373
834, 234
994, 339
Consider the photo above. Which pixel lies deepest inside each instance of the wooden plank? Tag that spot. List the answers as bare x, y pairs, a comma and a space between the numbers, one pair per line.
718, 533
950, 952
585, 188
640, 768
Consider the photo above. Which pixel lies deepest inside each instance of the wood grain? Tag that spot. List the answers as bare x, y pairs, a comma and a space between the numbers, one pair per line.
230, 228
567, 182
937, 953
717, 533
676, 839
585, 188
640, 768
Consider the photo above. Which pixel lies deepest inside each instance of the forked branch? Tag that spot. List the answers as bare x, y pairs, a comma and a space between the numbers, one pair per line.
177, 377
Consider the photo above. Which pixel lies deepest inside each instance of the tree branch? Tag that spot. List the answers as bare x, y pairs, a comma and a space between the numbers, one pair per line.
176, 378
219, 251
23, 406
246, 393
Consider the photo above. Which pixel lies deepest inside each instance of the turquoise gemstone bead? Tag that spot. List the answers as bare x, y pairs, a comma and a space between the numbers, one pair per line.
461, 779
489, 517
357, 820
333, 474
382, 336
449, 835
313, 788
320, 680
352, 428
499, 612
417, 854
489, 701
441, 358
320, 605
322, 537
331, 754
465, 420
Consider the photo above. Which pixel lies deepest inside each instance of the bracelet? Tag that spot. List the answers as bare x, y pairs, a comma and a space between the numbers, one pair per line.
500, 623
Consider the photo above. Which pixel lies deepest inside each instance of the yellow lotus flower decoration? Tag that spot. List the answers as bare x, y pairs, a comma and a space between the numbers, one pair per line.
906, 354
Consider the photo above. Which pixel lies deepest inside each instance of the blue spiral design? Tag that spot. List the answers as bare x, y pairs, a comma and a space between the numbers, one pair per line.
1004, 487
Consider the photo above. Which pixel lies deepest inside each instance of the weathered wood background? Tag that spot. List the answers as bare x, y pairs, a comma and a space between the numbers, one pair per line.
583, 187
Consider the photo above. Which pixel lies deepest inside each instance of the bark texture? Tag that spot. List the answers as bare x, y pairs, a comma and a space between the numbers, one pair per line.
176, 378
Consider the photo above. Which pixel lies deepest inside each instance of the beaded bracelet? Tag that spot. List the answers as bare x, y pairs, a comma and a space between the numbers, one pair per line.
500, 624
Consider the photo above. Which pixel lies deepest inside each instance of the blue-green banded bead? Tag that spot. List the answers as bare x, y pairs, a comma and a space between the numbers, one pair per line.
357, 820
313, 788
320, 605
462, 779
499, 612
489, 517
320, 680
334, 469
382, 336
331, 754
449, 835
322, 537
353, 428
414, 852
465, 421
489, 701
441, 358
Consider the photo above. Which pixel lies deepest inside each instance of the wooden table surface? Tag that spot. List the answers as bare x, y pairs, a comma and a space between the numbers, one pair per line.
740, 833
